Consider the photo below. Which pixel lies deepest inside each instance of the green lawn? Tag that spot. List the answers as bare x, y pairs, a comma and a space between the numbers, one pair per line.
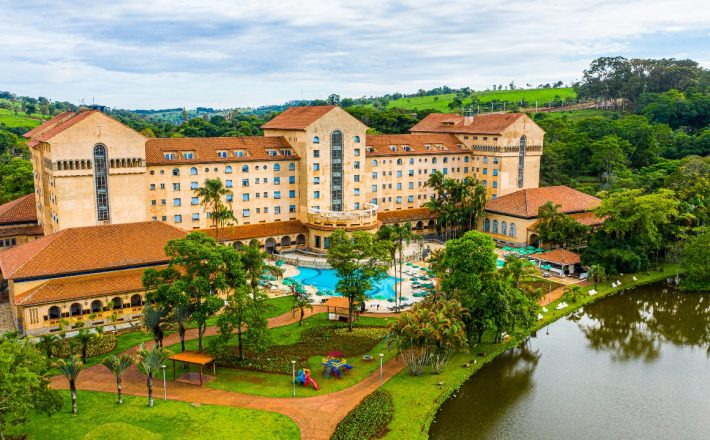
279, 306
9, 118
416, 399
99, 417
441, 102
279, 385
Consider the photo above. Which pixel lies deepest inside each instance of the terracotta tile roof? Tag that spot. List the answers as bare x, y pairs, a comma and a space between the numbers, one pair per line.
91, 248
298, 118
558, 256
83, 286
205, 149
526, 202
259, 230
586, 218
493, 123
12, 231
57, 125
382, 144
405, 215
18, 211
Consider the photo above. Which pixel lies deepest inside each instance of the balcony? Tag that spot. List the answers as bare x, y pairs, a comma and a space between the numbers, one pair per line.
344, 219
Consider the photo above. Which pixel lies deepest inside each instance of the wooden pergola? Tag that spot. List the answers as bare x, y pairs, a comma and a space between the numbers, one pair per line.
194, 357
338, 307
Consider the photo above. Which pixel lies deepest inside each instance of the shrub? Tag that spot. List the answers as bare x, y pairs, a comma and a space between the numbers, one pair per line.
99, 345
367, 420
316, 341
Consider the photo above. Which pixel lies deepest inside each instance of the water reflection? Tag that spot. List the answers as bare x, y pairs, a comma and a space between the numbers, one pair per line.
633, 326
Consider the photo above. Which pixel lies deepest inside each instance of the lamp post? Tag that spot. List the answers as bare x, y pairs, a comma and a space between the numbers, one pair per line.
165, 384
293, 376
381, 356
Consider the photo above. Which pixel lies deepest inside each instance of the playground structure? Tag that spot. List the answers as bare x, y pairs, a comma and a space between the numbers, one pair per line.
304, 378
335, 365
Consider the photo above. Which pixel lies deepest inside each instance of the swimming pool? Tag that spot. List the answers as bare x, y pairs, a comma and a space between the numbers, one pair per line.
326, 279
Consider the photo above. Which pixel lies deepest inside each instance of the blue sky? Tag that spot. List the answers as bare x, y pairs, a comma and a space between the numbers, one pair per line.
158, 54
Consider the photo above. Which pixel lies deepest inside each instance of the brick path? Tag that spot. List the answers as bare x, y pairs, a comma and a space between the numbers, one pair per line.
317, 416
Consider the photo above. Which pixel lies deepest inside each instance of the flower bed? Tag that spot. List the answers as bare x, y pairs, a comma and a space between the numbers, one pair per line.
367, 420
315, 341
98, 345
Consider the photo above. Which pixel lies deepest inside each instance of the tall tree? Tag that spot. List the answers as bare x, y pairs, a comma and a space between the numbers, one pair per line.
152, 317
117, 365
254, 265
150, 363
359, 260
70, 368
211, 195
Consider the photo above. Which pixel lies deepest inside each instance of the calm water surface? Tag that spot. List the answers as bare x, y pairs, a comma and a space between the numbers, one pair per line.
632, 366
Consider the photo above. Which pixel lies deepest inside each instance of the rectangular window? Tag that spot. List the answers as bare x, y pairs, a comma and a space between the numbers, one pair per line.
357, 205
245, 182
153, 202
316, 180
277, 210
245, 197
291, 180
222, 154
411, 185
485, 160
465, 170
485, 171
291, 194
245, 213
399, 186
357, 191
177, 218
256, 181
163, 202
399, 173
228, 184
277, 181
374, 188
164, 218
266, 195
195, 216
194, 185
230, 197
177, 202
195, 201
316, 153
495, 171
316, 194
495, 160
187, 154
495, 184
277, 194
162, 186
176, 187
357, 164
316, 167
374, 174
410, 199
445, 171
356, 152
399, 199
152, 186
411, 172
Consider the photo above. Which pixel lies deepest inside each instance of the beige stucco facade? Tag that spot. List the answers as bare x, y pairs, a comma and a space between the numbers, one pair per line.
506, 230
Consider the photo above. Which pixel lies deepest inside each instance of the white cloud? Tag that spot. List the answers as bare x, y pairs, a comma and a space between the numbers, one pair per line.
225, 53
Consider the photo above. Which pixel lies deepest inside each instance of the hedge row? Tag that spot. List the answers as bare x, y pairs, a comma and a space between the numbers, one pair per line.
316, 341
98, 345
367, 420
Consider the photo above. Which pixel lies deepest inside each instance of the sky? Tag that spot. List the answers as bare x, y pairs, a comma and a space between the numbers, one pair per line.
224, 54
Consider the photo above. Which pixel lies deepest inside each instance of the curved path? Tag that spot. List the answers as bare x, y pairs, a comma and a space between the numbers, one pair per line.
316, 416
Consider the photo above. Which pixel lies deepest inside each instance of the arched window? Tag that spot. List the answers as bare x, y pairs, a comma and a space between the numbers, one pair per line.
193, 171
54, 312
486, 225
277, 167
411, 161
96, 306
75, 309
245, 168
292, 167
433, 160
374, 163
136, 300
512, 230
285, 240
357, 139
504, 228
521, 161
336, 171
465, 159
300, 239
117, 303
101, 182
495, 226
446, 160
228, 169
176, 171
399, 161
316, 140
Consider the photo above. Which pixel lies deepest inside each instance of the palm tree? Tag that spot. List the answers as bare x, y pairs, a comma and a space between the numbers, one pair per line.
70, 368
211, 195
118, 365
573, 292
149, 363
47, 343
516, 268
597, 273
181, 316
386, 233
253, 262
153, 320
402, 234
223, 216
83, 339
300, 305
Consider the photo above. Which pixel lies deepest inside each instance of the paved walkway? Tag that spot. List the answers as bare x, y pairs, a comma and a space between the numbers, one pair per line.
317, 416
558, 292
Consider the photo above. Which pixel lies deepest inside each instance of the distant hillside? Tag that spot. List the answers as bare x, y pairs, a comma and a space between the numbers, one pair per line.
528, 97
9, 119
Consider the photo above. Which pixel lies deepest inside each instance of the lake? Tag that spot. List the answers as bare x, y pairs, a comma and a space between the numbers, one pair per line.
633, 366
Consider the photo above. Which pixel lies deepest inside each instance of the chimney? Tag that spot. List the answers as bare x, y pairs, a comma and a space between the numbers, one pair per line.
468, 117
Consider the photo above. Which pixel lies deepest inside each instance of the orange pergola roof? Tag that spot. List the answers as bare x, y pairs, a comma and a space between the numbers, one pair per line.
192, 357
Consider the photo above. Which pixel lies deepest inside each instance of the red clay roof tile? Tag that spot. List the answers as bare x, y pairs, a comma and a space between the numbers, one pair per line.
18, 211
259, 230
381, 144
526, 202
298, 118
205, 149
493, 123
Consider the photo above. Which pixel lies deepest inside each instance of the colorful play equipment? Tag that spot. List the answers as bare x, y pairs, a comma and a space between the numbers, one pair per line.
304, 378
335, 365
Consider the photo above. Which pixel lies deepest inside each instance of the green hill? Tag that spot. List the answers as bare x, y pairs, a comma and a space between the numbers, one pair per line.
10, 119
441, 102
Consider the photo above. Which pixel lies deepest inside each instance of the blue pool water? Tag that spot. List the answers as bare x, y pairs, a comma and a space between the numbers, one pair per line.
327, 279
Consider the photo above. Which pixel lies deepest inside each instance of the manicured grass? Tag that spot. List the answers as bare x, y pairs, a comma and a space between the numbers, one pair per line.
99, 417
441, 102
279, 385
578, 114
416, 399
279, 306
